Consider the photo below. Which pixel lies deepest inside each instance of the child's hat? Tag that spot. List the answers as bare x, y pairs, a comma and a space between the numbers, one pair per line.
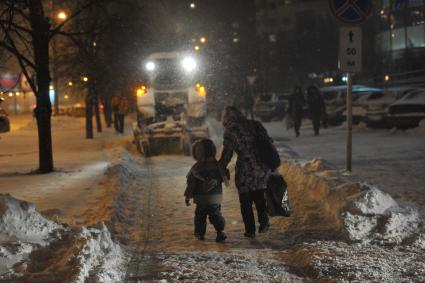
203, 148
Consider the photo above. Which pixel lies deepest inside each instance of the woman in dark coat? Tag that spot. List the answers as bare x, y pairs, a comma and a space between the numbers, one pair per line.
251, 175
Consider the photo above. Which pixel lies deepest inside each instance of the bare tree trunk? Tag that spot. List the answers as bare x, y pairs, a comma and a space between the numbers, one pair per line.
107, 111
43, 110
89, 116
97, 113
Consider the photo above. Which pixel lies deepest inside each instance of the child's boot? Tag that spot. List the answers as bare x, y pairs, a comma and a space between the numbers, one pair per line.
221, 237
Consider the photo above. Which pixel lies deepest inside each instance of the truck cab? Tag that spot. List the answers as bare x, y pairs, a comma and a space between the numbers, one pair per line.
171, 107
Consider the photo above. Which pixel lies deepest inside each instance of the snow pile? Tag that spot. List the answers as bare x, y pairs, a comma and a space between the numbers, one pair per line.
101, 253
19, 221
317, 164
355, 232
376, 217
31, 244
22, 229
325, 199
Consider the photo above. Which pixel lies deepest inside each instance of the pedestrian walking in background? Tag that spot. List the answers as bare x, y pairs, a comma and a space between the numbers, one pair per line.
316, 106
120, 108
204, 185
251, 175
295, 110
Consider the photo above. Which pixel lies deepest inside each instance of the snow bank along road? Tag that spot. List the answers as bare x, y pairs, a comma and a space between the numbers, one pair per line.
341, 230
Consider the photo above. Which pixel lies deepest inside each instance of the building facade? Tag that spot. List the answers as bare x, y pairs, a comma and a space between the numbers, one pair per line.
297, 38
400, 40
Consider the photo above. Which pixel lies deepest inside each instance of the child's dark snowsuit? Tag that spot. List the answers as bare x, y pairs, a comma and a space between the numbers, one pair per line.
204, 185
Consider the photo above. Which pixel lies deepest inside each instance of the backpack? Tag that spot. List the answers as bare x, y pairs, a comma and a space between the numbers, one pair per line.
264, 149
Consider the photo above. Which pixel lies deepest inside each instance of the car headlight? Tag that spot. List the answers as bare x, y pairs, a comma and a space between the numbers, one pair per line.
189, 64
150, 66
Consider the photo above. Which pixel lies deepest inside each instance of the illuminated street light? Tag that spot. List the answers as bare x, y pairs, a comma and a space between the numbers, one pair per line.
85, 79
387, 78
203, 40
62, 16
70, 83
192, 5
197, 48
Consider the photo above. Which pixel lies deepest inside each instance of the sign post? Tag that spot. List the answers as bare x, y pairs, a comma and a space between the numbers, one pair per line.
350, 53
350, 62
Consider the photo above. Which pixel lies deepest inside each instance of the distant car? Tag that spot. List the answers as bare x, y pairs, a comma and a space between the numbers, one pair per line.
4, 121
409, 110
377, 108
271, 106
335, 100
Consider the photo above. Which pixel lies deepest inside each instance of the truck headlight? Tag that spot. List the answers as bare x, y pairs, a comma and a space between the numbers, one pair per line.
189, 64
150, 66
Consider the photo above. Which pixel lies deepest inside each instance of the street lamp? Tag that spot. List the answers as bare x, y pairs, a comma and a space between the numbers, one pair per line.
203, 39
192, 5
197, 48
85, 79
62, 16
70, 83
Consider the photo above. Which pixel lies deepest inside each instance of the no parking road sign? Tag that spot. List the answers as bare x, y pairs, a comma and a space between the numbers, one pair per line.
351, 11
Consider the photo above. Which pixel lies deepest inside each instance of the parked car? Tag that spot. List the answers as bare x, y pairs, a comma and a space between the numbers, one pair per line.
4, 120
335, 100
409, 110
377, 108
271, 106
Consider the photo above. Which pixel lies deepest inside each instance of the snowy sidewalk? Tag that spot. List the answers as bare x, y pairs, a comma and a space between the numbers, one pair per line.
79, 164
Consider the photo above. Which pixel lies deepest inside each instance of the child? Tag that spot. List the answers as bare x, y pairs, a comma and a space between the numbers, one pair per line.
204, 185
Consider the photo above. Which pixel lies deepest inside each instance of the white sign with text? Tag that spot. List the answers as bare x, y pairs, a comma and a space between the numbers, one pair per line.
350, 50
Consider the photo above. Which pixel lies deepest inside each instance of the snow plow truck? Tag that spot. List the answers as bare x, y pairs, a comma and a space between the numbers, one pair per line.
171, 107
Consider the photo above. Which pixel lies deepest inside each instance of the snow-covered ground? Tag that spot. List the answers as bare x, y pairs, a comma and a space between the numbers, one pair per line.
108, 215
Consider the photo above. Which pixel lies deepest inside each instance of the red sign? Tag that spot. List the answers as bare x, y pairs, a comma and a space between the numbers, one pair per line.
8, 81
